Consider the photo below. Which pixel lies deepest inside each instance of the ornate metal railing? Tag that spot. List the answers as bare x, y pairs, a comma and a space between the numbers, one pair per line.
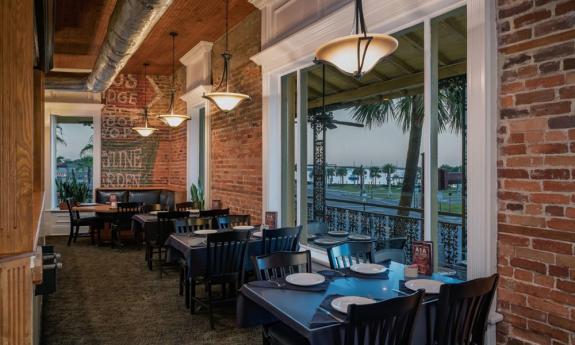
383, 226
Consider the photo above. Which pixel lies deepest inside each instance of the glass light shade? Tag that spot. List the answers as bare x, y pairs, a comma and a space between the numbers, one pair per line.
226, 101
174, 120
145, 131
342, 52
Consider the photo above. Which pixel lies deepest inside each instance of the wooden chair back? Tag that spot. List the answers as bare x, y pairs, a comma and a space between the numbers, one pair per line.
126, 210
74, 215
151, 207
281, 264
281, 240
350, 253
166, 224
229, 221
463, 311
389, 322
226, 253
192, 224
188, 206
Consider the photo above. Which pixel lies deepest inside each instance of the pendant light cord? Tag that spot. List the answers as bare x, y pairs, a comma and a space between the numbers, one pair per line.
172, 97
226, 55
145, 95
359, 20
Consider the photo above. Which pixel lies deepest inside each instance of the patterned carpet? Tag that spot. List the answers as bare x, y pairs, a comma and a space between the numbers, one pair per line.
108, 296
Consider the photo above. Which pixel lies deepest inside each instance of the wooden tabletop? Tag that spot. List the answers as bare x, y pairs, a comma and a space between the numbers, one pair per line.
98, 208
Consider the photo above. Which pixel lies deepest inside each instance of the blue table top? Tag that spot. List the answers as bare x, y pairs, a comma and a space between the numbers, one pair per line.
298, 307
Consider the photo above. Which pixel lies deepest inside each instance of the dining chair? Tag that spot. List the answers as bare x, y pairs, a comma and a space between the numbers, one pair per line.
229, 221
350, 253
123, 220
463, 311
389, 322
225, 257
166, 226
280, 264
188, 206
95, 224
281, 240
151, 207
213, 214
192, 224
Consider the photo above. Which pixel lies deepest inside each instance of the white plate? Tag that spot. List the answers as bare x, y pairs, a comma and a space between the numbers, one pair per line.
359, 237
430, 286
243, 227
338, 233
205, 232
341, 303
323, 241
365, 268
305, 279
257, 234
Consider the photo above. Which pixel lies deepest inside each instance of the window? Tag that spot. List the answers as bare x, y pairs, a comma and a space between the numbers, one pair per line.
73, 143
384, 156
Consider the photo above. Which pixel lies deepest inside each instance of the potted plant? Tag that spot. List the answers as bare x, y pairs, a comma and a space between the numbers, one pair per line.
197, 194
71, 188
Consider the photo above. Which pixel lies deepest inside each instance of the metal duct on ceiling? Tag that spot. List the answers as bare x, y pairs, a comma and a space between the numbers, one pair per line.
129, 26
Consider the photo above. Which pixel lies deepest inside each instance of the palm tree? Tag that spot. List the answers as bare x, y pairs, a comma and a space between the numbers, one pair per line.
60, 135
408, 113
329, 172
88, 149
374, 174
357, 172
389, 169
341, 172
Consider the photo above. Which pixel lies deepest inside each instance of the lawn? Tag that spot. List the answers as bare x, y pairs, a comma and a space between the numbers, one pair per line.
449, 200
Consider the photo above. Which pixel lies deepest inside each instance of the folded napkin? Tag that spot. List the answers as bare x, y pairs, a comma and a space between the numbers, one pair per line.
282, 284
322, 318
332, 274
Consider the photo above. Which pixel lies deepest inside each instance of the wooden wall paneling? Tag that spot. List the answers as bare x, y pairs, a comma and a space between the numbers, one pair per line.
15, 302
38, 131
16, 113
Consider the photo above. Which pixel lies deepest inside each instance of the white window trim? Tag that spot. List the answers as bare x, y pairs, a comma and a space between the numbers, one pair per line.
296, 52
93, 110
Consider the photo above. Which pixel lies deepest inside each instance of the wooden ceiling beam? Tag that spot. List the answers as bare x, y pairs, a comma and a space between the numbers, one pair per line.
328, 84
388, 86
418, 44
401, 64
451, 25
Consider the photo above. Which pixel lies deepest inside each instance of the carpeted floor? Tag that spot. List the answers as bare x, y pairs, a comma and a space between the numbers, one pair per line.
108, 296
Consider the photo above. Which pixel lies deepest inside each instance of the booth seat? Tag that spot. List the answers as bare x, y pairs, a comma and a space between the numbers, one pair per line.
149, 196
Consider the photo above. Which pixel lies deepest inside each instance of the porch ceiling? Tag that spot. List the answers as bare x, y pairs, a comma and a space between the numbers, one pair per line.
398, 75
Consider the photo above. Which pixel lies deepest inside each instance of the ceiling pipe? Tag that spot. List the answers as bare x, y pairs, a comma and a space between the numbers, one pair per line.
130, 24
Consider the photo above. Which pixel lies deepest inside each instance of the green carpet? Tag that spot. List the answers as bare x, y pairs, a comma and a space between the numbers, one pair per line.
108, 296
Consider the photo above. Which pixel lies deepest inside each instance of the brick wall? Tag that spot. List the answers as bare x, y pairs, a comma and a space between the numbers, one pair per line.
536, 172
129, 160
236, 137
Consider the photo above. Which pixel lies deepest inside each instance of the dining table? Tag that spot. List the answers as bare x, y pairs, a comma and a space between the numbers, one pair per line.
305, 311
193, 249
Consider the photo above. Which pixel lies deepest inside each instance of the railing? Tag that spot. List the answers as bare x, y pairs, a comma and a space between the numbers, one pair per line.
383, 226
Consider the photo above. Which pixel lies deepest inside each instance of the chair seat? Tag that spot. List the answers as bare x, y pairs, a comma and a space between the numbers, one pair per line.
279, 333
85, 221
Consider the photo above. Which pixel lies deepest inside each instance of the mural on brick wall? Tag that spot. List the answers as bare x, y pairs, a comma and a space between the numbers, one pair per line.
129, 160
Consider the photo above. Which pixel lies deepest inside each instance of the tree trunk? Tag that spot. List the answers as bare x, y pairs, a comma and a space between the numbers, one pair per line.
411, 165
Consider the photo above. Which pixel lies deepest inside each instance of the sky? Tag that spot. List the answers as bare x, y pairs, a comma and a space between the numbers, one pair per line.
380, 145
76, 136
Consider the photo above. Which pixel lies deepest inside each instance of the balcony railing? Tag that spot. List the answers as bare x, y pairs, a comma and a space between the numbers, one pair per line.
383, 226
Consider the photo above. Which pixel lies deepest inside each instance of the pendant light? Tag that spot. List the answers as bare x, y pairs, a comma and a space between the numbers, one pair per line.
357, 54
145, 131
172, 119
226, 101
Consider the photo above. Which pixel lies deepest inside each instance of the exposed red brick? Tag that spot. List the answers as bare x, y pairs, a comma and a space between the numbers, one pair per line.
528, 265
556, 108
531, 18
565, 7
554, 24
518, 8
534, 97
552, 246
554, 211
550, 174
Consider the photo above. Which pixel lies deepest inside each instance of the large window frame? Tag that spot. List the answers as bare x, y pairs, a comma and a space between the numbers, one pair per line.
69, 109
295, 53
